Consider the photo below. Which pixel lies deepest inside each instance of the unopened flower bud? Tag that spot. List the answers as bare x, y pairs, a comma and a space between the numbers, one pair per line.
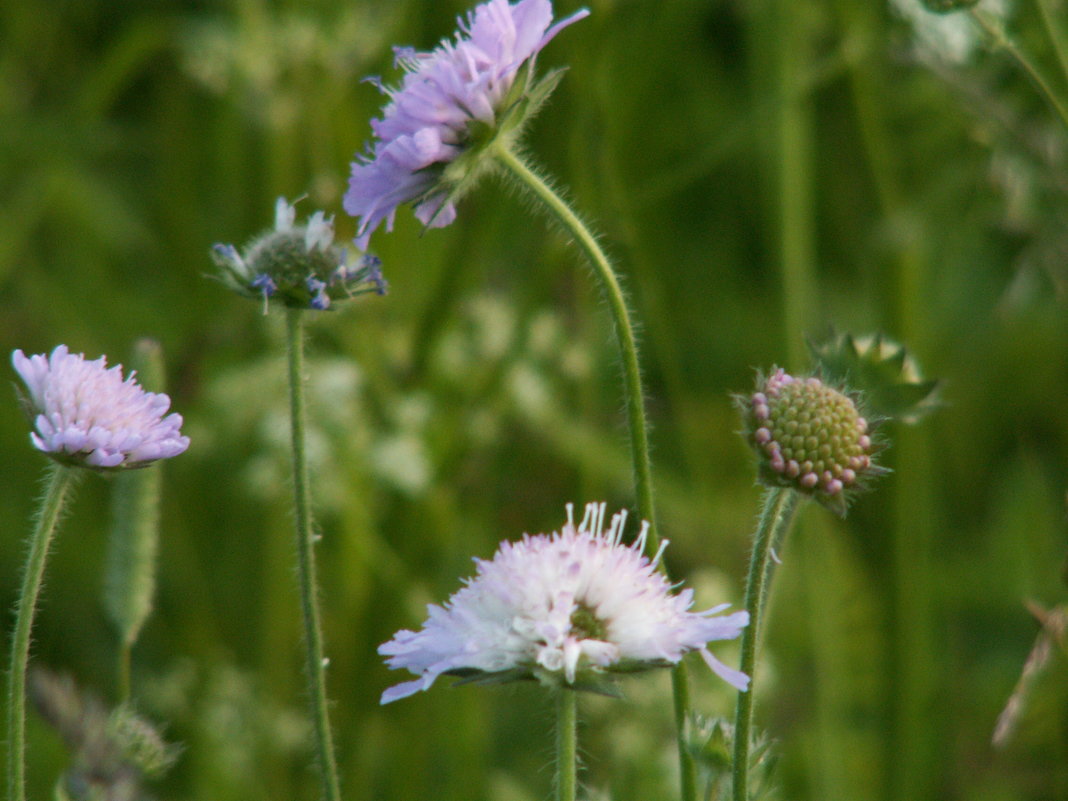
810, 437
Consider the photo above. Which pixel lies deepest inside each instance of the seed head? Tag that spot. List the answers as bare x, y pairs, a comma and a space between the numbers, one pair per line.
299, 266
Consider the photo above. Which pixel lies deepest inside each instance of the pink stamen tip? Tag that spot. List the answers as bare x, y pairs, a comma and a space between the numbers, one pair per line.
848, 476
777, 464
833, 487
759, 398
762, 435
761, 411
862, 425
793, 469
809, 480
864, 442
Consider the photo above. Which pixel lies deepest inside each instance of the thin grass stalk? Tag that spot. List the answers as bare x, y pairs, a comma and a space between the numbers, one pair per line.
1056, 32
913, 747
793, 154
1001, 39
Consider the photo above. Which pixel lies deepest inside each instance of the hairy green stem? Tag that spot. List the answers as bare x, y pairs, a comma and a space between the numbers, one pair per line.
566, 744
639, 437
776, 515
998, 34
313, 637
559, 210
62, 478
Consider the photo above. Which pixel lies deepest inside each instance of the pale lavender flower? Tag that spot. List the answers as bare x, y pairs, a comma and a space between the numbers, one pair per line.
86, 414
451, 101
574, 606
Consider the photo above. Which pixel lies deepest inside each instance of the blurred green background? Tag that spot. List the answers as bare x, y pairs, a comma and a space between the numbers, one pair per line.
760, 169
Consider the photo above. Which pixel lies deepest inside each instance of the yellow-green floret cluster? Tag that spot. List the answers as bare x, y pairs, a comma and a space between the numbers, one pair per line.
810, 437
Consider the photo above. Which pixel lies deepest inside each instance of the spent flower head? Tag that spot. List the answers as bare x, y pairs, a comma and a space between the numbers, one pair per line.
809, 437
572, 608
453, 103
298, 265
85, 414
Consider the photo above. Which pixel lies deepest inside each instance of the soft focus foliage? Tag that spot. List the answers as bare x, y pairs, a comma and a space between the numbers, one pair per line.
738, 157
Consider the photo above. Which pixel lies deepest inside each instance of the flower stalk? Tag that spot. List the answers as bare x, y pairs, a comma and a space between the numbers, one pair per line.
313, 638
566, 744
59, 485
632, 383
777, 513
515, 167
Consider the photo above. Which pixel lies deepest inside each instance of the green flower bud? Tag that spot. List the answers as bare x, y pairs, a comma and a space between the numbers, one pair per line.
810, 437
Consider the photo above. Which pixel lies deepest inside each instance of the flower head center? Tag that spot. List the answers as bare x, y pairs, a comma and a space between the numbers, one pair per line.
585, 625
810, 436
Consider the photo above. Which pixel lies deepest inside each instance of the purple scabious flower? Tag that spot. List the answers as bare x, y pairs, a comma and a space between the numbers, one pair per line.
85, 414
452, 103
298, 266
572, 607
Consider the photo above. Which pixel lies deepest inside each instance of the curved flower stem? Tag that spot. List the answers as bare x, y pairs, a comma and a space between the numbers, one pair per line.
639, 437
566, 744
1001, 39
776, 515
634, 399
62, 479
313, 637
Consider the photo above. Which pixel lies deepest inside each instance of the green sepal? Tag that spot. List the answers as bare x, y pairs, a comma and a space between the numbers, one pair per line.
627, 666
541, 91
598, 686
948, 6
602, 681
519, 89
483, 678
881, 370
25, 404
